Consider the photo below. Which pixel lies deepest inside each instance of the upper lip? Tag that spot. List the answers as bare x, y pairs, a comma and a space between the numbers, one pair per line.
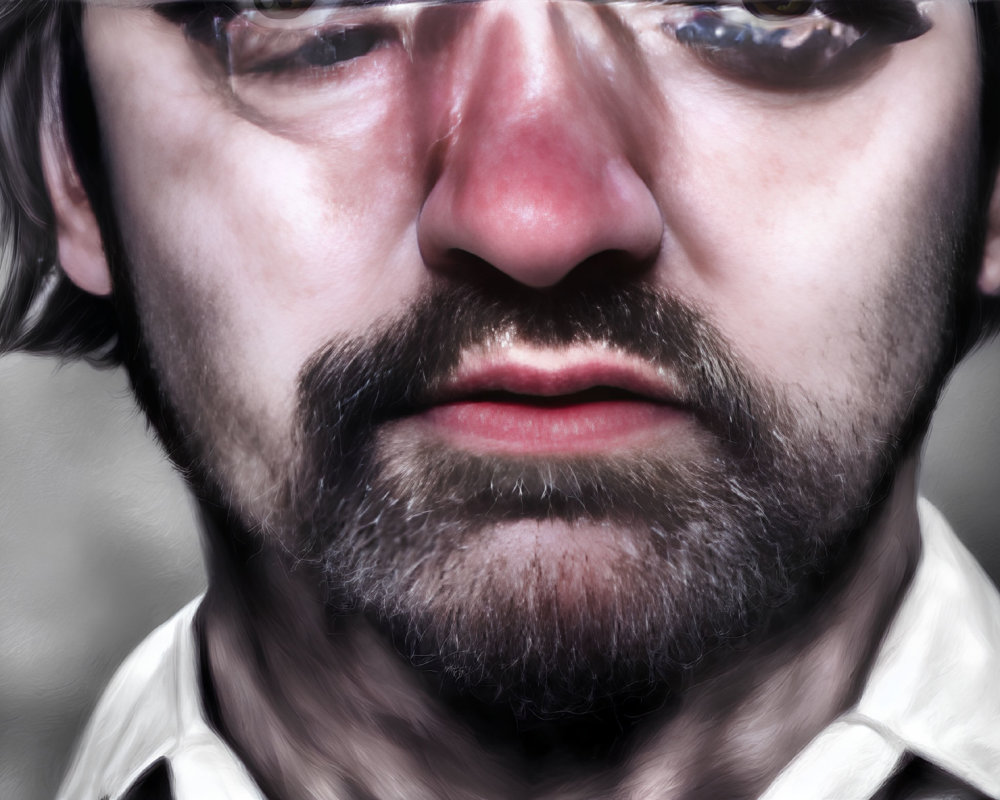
552, 373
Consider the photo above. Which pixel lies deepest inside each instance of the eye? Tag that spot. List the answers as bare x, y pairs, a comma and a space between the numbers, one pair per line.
281, 9
282, 39
287, 50
793, 44
779, 9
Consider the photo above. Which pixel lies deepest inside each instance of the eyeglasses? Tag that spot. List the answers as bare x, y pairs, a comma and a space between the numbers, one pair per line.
300, 62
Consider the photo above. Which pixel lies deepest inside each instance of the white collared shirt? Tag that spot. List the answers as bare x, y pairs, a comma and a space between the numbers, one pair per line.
933, 692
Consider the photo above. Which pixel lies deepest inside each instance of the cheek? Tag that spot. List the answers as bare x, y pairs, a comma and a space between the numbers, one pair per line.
803, 225
250, 248
262, 244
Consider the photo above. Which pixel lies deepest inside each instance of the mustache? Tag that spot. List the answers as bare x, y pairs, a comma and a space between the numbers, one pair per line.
351, 387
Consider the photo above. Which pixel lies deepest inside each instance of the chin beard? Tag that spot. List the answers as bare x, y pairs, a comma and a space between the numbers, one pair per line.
685, 553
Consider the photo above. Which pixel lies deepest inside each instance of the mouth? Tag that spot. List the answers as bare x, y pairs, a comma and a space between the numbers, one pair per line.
573, 401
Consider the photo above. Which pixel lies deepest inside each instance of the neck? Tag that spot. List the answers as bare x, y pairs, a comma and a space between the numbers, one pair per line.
321, 707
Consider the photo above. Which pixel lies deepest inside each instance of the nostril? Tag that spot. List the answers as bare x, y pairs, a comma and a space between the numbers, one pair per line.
539, 237
609, 265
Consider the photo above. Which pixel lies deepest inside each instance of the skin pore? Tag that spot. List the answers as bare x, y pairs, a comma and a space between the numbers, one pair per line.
521, 149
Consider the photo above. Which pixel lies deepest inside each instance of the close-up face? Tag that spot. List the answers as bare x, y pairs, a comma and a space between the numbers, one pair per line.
533, 317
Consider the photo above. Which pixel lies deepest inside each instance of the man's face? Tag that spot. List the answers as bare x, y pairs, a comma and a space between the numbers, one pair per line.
567, 338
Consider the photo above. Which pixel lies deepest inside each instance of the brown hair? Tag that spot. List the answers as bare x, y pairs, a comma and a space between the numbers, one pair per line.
41, 310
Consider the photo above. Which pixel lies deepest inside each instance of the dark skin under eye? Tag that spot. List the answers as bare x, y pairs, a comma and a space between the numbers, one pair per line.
795, 44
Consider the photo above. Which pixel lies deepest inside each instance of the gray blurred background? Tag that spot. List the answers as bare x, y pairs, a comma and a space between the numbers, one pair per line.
98, 542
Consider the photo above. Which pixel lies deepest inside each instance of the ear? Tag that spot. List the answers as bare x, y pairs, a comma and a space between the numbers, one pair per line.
81, 251
989, 271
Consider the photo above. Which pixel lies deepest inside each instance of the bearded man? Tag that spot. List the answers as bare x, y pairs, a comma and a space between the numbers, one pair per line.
551, 377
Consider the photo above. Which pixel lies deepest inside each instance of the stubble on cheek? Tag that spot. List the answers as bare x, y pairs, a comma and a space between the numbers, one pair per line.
908, 335
229, 429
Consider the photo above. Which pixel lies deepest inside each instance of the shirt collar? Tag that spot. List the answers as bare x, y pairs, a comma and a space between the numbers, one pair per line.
152, 711
933, 689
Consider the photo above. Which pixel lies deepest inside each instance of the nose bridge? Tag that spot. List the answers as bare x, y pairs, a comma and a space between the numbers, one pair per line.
525, 65
525, 120
540, 164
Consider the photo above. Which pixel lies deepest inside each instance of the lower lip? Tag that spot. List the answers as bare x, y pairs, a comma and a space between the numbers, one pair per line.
511, 427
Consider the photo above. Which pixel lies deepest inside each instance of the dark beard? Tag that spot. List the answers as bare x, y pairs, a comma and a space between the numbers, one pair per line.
701, 550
